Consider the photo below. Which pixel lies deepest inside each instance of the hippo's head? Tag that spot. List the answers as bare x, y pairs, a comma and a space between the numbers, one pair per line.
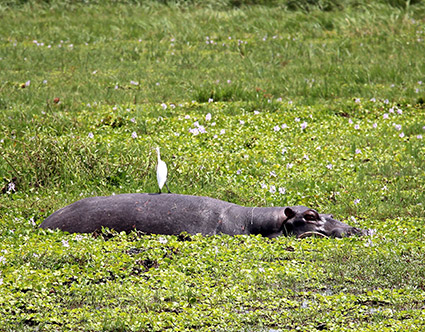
302, 222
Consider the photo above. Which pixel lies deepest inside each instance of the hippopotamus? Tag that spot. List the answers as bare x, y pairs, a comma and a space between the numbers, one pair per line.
173, 214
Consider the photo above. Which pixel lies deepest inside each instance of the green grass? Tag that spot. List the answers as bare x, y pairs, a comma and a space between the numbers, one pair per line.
310, 57
327, 106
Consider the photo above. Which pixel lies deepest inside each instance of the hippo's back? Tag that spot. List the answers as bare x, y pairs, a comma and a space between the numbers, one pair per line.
149, 213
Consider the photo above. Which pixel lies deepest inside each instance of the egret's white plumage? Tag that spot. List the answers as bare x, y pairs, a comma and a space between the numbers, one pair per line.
161, 172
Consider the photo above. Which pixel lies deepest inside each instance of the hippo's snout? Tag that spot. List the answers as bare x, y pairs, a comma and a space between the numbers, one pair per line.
344, 232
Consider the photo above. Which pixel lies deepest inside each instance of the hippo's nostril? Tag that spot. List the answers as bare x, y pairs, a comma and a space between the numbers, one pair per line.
358, 231
341, 232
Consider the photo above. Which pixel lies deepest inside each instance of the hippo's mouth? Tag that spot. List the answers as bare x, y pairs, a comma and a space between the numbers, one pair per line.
310, 234
338, 233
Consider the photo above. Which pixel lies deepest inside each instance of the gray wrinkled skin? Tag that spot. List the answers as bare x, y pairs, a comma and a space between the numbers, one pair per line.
172, 214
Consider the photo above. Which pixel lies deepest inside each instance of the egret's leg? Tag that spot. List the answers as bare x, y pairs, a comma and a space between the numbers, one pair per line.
167, 188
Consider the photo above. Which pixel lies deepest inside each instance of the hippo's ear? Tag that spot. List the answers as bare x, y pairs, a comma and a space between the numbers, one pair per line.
289, 213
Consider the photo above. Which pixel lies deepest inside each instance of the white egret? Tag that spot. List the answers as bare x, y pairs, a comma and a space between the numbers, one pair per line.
161, 172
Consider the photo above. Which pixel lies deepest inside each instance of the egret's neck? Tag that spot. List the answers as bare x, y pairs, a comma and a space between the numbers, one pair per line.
159, 157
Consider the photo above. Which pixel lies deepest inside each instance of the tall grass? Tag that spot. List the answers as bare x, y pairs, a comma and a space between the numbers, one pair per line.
93, 53
306, 5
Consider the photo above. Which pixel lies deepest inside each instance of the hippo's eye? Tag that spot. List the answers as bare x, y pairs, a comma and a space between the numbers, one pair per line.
310, 216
